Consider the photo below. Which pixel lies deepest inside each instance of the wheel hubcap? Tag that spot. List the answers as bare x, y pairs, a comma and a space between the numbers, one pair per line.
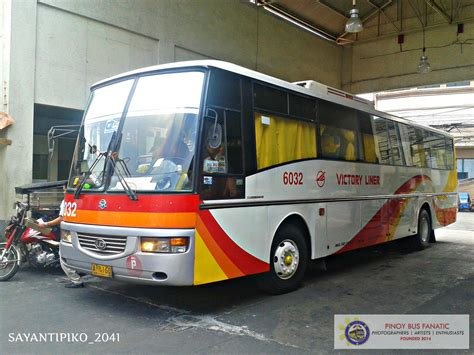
4, 262
286, 259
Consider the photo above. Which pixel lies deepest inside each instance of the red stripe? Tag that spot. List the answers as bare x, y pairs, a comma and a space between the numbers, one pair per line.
145, 203
243, 260
375, 231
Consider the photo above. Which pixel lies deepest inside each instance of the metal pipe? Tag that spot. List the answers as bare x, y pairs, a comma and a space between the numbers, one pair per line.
298, 22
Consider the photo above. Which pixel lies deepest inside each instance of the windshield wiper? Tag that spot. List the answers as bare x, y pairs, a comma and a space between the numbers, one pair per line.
123, 166
88, 173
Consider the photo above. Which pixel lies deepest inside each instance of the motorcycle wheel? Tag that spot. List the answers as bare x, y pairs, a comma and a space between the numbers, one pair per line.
10, 263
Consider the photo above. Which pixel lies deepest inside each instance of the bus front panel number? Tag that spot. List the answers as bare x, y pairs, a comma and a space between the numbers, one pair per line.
292, 178
70, 209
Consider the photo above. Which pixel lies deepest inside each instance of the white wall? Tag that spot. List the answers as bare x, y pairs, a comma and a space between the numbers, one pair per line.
84, 51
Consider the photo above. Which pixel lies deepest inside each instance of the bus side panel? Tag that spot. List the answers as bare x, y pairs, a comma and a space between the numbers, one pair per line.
230, 242
445, 207
343, 222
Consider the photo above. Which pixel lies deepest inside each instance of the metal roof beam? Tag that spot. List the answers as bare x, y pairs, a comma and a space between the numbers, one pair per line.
439, 10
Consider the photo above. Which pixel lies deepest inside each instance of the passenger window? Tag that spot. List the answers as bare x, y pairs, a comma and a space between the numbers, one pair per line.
396, 149
435, 143
280, 140
382, 140
449, 154
367, 137
338, 130
416, 144
405, 140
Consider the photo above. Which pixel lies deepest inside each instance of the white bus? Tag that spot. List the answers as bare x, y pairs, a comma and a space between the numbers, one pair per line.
195, 172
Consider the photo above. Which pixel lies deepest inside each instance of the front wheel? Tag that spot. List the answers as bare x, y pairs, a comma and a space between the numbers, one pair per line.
10, 263
288, 261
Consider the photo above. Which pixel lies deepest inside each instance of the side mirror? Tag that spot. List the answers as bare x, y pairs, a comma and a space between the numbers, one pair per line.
84, 166
214, 138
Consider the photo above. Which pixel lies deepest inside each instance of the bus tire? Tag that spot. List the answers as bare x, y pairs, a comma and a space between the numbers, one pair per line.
288, 261
432, 236
422, 239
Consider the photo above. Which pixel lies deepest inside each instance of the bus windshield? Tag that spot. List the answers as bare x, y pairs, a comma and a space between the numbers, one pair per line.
156, 142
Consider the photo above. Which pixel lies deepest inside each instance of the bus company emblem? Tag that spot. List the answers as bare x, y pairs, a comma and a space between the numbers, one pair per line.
100, 244
321, 178
102, 204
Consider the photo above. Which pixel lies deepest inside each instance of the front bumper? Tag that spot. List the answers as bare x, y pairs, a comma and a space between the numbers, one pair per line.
132, 265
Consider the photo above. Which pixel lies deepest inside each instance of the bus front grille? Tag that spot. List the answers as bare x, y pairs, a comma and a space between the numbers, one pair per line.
104, 245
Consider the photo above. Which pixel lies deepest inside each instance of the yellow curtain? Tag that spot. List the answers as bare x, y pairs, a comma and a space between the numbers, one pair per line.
370, 154
283, 140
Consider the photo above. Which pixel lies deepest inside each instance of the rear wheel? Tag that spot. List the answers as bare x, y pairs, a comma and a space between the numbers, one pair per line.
425, 234
288, 261
10, 263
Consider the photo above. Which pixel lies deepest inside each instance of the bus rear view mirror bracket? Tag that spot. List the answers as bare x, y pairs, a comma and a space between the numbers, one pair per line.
214, 139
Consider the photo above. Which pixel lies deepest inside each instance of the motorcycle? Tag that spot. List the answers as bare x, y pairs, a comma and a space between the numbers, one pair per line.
26, 240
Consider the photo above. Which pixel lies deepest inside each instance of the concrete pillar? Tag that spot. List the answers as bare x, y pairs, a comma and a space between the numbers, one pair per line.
19, 42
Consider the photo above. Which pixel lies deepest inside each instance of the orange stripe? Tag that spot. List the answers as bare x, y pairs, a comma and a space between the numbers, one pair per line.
135, 219
230, 269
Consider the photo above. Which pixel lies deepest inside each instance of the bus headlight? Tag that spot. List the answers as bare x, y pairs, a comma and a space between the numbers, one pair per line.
66, 236
164, 245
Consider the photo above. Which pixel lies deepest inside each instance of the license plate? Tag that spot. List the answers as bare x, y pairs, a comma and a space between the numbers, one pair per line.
101, 270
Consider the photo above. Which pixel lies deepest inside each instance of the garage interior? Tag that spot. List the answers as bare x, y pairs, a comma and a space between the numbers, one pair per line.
54, 50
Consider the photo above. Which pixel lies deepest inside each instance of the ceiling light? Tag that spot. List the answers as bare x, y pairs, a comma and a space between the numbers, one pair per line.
424, 66
354, 24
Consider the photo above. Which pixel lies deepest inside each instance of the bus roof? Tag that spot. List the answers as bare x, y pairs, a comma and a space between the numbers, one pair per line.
308, 87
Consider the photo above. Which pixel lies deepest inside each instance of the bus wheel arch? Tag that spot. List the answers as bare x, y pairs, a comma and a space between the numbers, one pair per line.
288, 259
424, 234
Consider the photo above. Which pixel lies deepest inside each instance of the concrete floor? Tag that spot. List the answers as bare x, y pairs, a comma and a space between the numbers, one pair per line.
234, 317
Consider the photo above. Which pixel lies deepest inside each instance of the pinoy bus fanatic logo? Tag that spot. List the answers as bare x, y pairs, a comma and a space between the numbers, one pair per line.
102, 204
321, 178
356, 332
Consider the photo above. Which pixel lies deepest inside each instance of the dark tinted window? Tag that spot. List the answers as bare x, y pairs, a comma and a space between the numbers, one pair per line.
270, 99
221, 156
302, 107
224, 90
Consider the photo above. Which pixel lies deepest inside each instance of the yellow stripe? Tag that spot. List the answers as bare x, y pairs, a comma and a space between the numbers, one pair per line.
206, 268
135, 219
452, 183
